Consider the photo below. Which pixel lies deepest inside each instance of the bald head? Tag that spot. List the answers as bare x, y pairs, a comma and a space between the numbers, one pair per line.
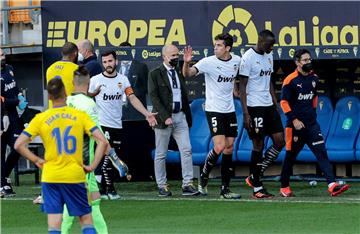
169, 53
86, 48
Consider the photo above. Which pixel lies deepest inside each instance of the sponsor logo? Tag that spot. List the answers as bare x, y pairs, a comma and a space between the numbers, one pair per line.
265, 73
307, 96
116, 96
225, 79
245, 31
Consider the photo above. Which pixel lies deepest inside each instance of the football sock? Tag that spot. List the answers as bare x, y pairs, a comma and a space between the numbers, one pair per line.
271, 155
88, 229
255, 167
210, 162
226, 169
98, 219
54, 231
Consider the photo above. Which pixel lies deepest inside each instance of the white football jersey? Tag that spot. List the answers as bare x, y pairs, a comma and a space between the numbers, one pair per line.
219, 82
258, 67
110, 99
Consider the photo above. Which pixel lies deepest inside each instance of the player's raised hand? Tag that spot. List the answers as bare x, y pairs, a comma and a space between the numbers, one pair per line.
187, 54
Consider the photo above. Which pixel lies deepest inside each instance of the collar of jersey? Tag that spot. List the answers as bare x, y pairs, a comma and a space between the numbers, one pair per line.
109, 76
225, 60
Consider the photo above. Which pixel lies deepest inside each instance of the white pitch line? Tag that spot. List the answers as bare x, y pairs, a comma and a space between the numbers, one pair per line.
134, 198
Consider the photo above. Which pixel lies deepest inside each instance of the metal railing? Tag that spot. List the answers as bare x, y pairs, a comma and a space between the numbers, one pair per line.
34, 14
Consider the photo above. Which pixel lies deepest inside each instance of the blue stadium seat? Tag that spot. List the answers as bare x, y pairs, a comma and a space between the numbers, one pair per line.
171, 157
239, 117
325, 113
357, 153
269, 142
344, 130
199, 132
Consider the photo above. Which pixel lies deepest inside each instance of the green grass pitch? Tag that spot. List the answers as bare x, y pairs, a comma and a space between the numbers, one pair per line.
141, 211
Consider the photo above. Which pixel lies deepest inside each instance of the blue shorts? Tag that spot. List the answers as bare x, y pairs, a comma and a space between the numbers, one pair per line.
75, 196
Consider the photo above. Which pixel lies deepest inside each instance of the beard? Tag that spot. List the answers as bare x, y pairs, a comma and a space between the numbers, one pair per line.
110, 69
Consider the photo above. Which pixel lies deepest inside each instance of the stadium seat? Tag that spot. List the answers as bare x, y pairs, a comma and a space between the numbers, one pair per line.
239, 117
324, 112
199, 132
281, 156
357, 153
171, 157
344, 130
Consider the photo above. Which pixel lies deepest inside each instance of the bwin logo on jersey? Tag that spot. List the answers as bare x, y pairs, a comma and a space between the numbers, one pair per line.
116, 96
307, 96
265, 73
225, 79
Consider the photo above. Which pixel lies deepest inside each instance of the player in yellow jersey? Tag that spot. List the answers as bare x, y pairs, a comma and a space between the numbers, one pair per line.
65, 67
62, 130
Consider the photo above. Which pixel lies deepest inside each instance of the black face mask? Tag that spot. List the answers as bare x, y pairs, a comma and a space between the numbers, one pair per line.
174, 62
307, 67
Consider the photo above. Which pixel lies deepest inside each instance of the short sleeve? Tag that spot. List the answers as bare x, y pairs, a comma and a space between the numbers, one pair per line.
92, 85
202, 66
245, 66
33, 129
89, 125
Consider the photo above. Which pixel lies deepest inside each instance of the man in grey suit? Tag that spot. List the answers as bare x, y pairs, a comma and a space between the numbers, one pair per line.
166, 87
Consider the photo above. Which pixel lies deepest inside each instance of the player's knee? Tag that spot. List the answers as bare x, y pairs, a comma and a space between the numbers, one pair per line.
258, 145
229, 149
279, 144
86, 219
219, 148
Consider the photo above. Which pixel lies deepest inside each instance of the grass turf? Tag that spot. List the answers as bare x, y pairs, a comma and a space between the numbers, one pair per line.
141, 211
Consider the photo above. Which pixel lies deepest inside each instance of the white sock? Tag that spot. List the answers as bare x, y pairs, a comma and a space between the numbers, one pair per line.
257, 189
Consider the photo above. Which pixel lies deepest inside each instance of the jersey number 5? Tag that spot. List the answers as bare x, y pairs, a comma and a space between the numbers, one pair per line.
64, 141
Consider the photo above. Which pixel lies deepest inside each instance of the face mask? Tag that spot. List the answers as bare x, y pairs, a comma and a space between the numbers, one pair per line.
174, 62
307, 67
80, 57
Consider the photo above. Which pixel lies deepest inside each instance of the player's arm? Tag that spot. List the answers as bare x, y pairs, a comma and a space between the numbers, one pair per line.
237, 86
101, 146
272, 92
135, 102
153, 89
186, 69
286, 95
242, 90
316, 97
21, 147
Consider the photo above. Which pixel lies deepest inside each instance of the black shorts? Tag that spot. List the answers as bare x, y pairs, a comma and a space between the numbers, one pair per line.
114, 136
265, 121
222, 123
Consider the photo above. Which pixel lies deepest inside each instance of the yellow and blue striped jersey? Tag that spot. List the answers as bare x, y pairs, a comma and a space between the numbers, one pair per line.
64, 69
62, 132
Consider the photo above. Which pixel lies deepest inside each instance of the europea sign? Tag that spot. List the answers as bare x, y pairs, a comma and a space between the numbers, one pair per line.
157, 31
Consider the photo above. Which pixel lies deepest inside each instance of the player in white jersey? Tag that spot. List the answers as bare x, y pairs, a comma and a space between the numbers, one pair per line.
220, 72
261, 116
109, 101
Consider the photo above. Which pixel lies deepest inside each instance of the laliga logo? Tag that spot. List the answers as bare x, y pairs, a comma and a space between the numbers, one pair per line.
239, 16
145, 54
